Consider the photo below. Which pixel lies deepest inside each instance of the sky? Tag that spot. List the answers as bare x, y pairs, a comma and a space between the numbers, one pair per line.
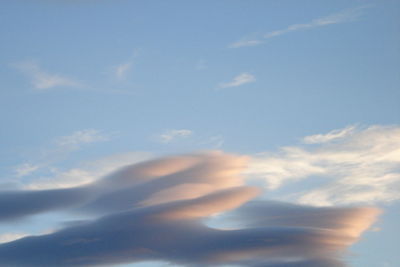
200, 133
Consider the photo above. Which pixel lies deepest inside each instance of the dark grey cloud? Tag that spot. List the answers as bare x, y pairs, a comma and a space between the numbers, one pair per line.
156, 211
15, 204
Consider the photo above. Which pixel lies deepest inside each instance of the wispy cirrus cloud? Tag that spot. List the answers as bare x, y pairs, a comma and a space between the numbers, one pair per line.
122, 70
245, 42
60, 148
350, 165
171, 135
43, 80
25, 169
239, 80
331, 136
344, 16
78, 138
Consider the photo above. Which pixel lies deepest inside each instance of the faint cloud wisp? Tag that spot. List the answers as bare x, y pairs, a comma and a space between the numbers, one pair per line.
43, 80
122, 70
170, 135
239, 80
343, 16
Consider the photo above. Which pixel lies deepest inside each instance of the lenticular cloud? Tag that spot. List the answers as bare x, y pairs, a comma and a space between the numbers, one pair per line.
156, 210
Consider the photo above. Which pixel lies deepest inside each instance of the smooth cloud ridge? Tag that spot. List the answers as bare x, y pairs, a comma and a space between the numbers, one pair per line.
155, 210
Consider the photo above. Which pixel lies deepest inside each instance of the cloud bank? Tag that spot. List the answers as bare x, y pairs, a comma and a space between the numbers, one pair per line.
356, 165
155, 210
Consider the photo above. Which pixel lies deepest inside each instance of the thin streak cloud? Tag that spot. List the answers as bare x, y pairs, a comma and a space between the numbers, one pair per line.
239, 80
333, 135
344, 16
171, 135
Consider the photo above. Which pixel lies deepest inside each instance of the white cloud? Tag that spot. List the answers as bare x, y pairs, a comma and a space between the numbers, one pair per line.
122, 70
243, 43
171, 135
333, 135
240, 79
343, 16
361, 166
43, 80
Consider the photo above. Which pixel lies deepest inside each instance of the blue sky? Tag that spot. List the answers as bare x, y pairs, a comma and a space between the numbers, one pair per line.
307, 90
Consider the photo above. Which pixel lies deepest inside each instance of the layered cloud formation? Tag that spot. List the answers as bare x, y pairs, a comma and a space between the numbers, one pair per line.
156, 210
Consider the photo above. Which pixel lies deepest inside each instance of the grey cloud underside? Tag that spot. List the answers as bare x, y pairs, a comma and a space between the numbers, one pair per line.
125, 188
142, 234
18, 204
142, 213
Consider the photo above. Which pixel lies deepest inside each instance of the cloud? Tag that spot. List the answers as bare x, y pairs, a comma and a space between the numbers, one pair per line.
170, 135
215, 141
245, 42
138, 183
64, 145
78, 138
155, 210
25, 169
59, 149
86, 173
346, 15
4, 238
333, 135
122, 70
354, 165
43, 80
239, 80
